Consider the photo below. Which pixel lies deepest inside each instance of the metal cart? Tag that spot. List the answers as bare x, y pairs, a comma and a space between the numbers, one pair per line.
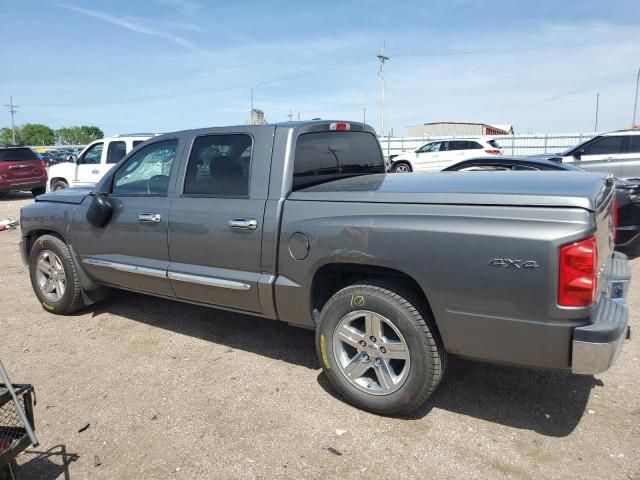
16, 422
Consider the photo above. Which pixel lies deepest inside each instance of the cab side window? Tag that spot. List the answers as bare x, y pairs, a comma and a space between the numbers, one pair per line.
219, 166
147, 172
92, 156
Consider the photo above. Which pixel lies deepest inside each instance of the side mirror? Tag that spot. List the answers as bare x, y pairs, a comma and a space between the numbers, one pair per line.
73, 158
99, 211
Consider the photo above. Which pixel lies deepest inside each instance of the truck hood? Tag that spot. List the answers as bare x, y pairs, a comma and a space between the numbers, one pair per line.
66, 195
547, 189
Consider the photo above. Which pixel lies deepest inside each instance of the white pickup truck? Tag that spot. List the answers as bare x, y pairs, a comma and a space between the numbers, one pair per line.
94, 161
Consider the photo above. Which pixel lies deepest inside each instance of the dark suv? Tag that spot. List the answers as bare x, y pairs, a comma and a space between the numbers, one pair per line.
21, 169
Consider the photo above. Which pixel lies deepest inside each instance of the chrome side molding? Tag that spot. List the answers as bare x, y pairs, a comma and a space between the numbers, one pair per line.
209, 281
123, 267
180, 277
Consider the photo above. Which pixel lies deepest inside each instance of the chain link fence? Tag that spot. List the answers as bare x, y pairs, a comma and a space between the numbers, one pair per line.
525, 144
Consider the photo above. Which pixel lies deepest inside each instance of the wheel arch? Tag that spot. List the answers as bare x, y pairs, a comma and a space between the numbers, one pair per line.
401, 160
332, 277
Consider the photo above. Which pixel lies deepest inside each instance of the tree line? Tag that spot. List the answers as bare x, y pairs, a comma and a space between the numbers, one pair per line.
37, 134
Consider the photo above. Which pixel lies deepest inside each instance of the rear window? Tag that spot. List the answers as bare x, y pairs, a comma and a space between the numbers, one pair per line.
326, 156
494, 144
12, 154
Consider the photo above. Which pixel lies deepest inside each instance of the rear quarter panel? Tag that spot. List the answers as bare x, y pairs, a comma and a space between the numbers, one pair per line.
485, 312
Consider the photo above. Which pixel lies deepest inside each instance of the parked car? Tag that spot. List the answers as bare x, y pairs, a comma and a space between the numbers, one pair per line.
298, 222
434, 156
21, 169
615, 152
93, 162
627, 239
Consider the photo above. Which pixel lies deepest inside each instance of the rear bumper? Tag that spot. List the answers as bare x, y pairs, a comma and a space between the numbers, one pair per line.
596, 346
16, 186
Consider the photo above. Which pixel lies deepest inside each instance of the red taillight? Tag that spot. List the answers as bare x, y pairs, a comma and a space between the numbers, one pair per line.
614, 212
492, 152
578, 280
340, 126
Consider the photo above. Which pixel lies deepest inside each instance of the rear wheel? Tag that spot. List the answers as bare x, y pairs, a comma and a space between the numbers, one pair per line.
58, 185
378, 346
402, 167
53, 276
38, 191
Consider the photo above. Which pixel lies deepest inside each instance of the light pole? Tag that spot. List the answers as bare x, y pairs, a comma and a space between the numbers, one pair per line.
595, 127
635, 101
364, 115
253, 89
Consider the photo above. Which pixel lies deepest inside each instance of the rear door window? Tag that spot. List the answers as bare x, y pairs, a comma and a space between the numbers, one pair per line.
634, 143
604, 146
326, 156
219, 166
116, 151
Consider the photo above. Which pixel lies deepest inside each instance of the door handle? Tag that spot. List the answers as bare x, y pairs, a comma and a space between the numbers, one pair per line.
149, 218
243, 223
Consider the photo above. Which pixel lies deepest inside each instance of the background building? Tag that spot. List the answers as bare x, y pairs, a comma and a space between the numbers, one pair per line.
435, 129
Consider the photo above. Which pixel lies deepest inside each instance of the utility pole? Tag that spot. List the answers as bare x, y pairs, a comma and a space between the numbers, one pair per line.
364, 115
383, 58
595, 128
12, 111
290, 115
298, 116
635, 102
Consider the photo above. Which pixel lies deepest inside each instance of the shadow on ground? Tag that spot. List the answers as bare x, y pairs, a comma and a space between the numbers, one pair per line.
49, 464
15, 196
549, 402
271, 339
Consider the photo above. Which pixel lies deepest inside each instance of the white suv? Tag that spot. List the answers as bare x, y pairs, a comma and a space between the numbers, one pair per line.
94, 161
439, 154
615, 152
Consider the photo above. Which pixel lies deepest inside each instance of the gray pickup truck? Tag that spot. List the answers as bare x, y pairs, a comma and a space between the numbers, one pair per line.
298, 222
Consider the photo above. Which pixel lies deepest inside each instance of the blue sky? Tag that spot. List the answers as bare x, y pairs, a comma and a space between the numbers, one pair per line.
161, 65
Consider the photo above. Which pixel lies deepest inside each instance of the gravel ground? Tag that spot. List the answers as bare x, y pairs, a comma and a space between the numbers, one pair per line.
177, 391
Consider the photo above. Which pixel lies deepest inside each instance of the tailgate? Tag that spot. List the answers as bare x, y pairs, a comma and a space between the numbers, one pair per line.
605, 228
21, 169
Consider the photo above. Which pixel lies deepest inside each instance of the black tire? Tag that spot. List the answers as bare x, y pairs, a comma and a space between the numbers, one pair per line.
412, 318
72, 298
58, 185
400, 167
38, 191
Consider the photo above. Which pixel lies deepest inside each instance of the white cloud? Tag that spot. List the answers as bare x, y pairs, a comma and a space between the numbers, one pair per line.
186, 7
129, 24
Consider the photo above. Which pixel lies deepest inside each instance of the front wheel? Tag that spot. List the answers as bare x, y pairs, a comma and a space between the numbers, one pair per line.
378, 346
402, 167
58, 185
53, 276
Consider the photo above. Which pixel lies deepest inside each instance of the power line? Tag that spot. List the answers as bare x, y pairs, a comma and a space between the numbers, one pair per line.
12, 111
497, 50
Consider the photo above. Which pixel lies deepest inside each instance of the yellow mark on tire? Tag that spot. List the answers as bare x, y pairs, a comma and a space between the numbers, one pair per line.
323, 353
48, 307
357, 300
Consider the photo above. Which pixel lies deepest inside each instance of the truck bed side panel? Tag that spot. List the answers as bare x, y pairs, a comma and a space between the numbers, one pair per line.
482, 309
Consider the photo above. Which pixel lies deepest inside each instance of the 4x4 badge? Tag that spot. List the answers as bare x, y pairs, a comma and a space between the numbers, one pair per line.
515, 264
